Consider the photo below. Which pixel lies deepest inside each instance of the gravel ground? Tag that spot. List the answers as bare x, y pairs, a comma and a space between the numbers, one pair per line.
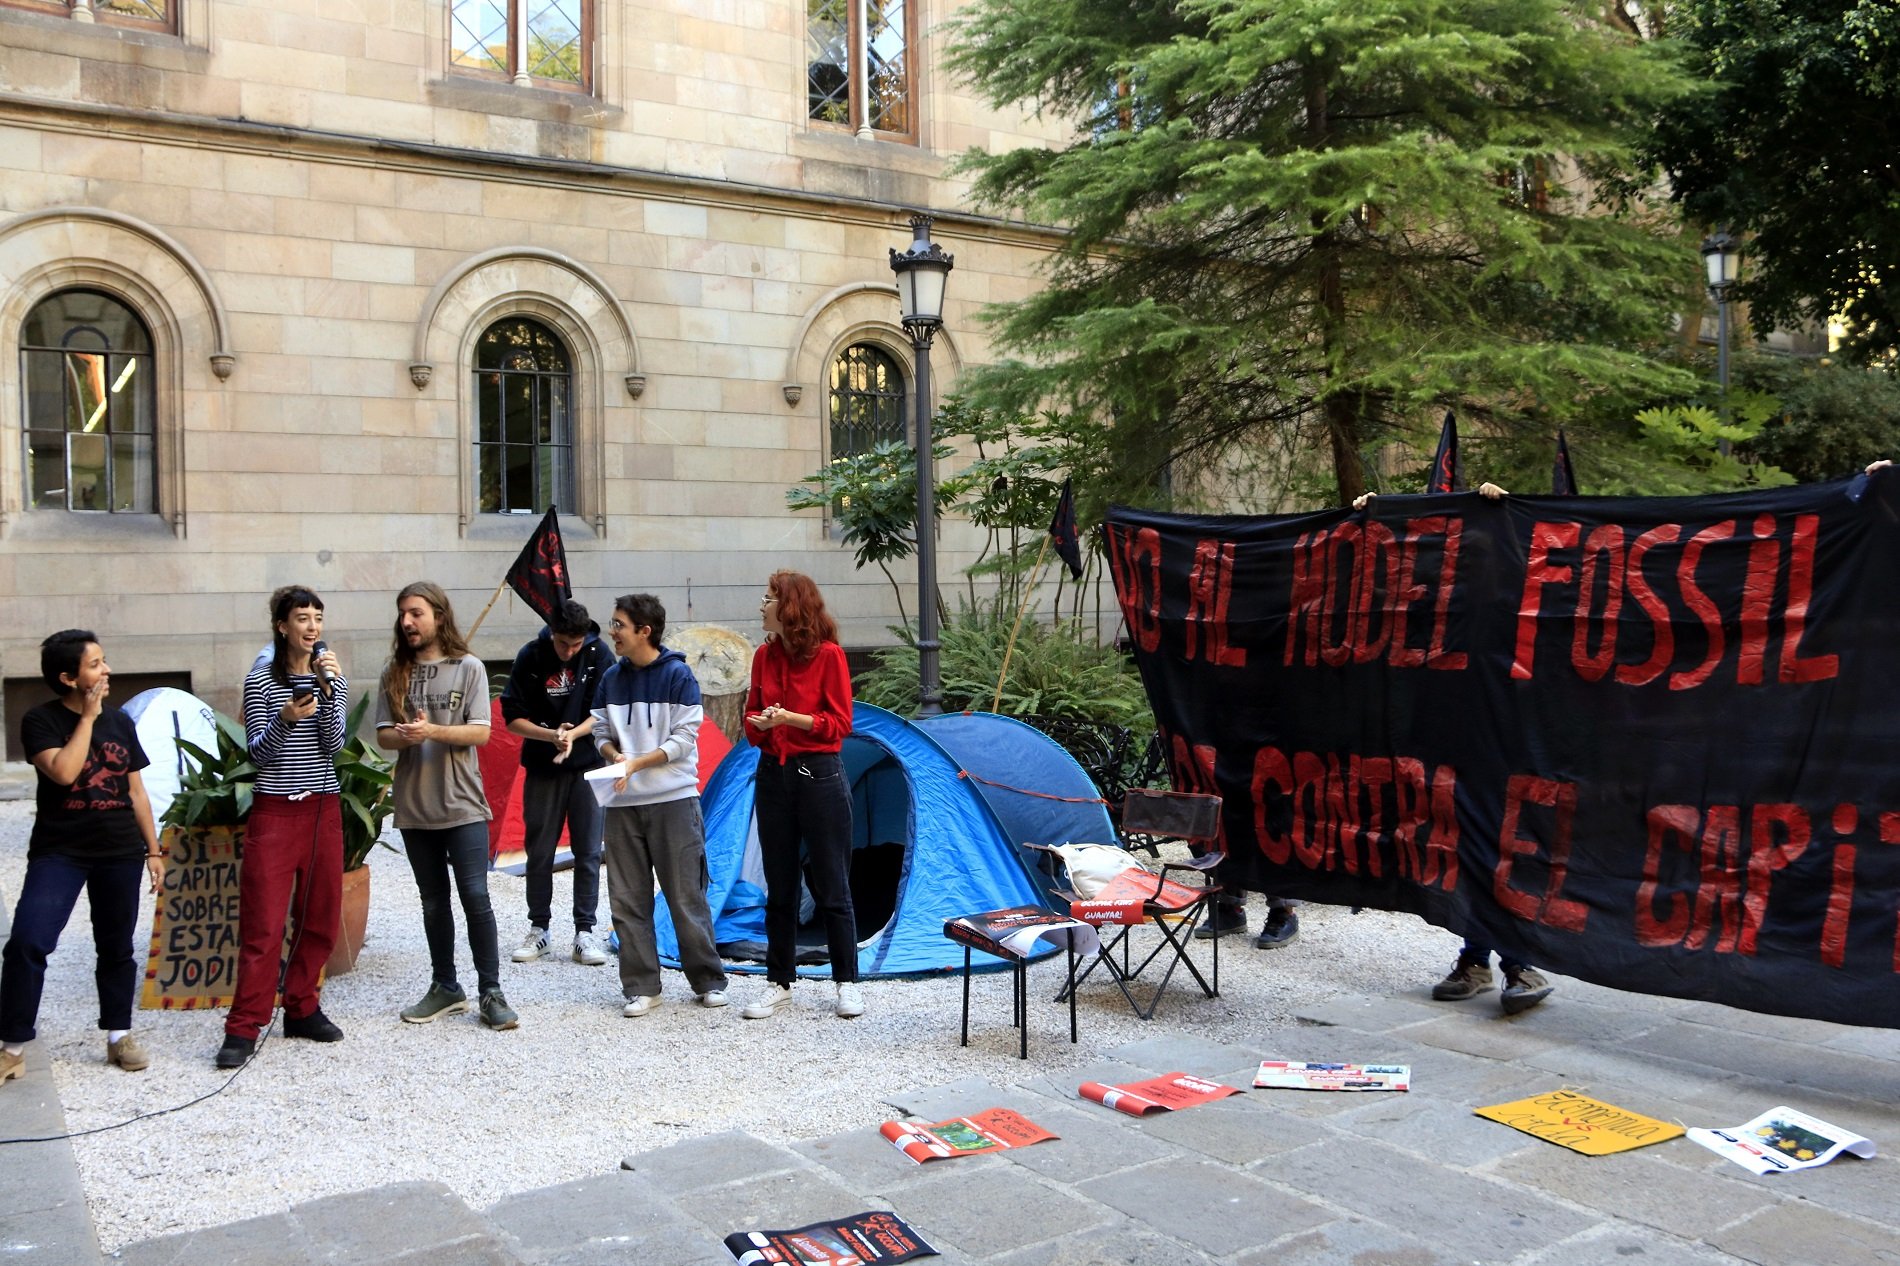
577, 1087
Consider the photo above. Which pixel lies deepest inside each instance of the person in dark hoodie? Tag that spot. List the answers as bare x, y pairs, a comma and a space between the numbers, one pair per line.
646, 721
551, 690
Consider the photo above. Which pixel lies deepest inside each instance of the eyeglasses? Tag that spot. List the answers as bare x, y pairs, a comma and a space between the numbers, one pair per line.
621, 625
767, 600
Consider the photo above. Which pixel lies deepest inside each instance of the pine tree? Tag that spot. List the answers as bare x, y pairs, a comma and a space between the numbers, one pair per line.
1326, 218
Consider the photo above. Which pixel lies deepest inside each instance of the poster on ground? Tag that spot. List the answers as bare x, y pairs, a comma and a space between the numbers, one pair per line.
995, 1130
1580, 1123
859, 1240
1282, 1074
1169, 1092
1782, 1139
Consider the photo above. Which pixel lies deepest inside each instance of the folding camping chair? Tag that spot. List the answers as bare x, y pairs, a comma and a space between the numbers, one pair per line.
1141, 896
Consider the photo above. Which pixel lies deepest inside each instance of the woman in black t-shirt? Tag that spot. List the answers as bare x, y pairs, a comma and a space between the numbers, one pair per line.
93, 830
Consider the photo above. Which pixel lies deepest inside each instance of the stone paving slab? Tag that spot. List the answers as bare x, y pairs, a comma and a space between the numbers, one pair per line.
775, 1201
1623, 1243
705, 1162
1641, 1186
994, 1211
1484, 1220
1212, 1207
1179, 1053
1795, 1234
1348, 1240
1440, 1130
1120, 1244
1371, 1015
42, 1202
595, 1215
1772, 1060
1242, 1134
273, 1238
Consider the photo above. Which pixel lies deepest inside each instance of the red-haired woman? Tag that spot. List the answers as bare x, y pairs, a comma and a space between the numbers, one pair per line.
798, 713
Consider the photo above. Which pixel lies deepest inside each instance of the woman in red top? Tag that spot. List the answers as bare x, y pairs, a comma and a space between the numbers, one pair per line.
798, 713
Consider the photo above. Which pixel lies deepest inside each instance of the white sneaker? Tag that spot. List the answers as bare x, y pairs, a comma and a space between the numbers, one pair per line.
586, 949
712, 998
850, 1001
762, 1007
640, 1006
533, 945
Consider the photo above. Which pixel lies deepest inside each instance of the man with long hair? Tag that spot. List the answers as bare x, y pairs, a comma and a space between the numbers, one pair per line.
432, 709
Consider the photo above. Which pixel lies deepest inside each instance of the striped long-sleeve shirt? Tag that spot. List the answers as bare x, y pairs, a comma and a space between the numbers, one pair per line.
300, 756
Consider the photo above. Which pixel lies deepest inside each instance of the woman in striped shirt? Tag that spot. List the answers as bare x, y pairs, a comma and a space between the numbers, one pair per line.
294, 710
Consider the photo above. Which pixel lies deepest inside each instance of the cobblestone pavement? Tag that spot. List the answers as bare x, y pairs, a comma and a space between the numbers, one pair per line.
1269, 1176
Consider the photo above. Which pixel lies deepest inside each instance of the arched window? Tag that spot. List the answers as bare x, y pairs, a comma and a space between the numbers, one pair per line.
89, 410
524, 424
867, 400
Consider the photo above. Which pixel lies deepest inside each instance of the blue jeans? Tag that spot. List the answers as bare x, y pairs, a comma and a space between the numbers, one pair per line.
47, 896
433, 856
806, 801
549, 799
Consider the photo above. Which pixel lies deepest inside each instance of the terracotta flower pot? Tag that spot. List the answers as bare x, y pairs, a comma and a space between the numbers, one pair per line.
353, 927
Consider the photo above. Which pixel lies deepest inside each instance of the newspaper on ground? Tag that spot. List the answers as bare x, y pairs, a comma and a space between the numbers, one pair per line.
1782, 1139
859, 1240
1282, 1074
1165, 1093
1581, 1124
990, 1131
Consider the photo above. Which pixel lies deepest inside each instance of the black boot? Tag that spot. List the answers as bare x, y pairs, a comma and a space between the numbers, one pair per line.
236, 1051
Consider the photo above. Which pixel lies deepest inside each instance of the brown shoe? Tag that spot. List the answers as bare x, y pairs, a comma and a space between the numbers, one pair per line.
128, 1054
11, 1066
1469, 977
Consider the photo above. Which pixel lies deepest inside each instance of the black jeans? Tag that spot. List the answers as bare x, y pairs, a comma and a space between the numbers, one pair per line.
47, 895
463, 850
1481, 953
550, 798
805, 802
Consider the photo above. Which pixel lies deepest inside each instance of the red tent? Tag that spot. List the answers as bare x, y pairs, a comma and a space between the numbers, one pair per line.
501, 778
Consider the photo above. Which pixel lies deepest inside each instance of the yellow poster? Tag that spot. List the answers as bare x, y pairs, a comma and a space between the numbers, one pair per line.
1581, 1124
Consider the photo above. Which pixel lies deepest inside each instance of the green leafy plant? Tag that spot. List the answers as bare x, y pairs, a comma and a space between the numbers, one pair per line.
364, 779
1051, 673
217, 790
872, 497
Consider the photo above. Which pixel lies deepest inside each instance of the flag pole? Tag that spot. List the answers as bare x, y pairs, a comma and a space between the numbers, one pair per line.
470, 635
1035, 578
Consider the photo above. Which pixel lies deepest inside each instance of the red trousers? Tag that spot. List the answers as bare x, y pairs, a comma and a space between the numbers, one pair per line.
290, 846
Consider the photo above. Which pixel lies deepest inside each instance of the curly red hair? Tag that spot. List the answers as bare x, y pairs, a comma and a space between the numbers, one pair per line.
804, 623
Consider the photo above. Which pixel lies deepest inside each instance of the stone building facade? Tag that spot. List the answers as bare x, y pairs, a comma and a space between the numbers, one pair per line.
345, 291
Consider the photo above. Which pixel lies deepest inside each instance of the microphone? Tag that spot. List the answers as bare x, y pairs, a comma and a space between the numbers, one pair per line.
325, 675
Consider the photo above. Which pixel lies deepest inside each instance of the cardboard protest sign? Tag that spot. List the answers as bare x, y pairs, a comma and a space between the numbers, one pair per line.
1581, 1124
193, 959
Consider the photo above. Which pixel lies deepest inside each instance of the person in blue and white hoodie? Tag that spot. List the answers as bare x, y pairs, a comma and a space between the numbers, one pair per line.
646, 721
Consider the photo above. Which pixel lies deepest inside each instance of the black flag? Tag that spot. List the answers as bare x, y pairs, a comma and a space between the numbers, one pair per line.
1062, 530
1448, 473
1563, 479
540, 571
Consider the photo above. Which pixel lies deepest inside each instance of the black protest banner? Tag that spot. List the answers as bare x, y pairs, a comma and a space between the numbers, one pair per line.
1653, 743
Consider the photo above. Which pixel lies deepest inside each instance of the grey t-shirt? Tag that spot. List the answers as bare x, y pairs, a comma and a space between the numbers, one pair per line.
439, 785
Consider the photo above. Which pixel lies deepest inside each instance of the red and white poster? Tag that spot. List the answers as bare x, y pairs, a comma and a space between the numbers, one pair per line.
990, 1131
1166, 1093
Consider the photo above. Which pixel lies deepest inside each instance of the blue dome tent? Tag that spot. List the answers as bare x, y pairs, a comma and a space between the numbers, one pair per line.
927, 845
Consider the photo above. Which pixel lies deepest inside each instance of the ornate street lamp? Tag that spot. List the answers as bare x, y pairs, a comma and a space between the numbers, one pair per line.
921, 273
1722, 257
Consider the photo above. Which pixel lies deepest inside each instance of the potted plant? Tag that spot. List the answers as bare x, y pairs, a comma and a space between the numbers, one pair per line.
214, 799
364, 779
